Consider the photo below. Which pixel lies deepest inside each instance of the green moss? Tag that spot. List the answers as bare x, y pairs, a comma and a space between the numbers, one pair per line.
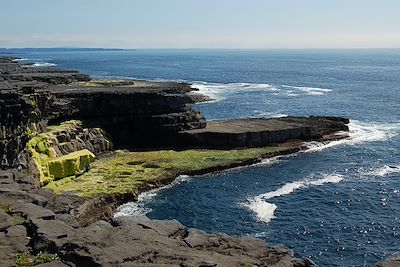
71, 164
23, 259
18, 218
43, 258
5, 208
51, 167
65, 125
108, 82
128, 172
27, 259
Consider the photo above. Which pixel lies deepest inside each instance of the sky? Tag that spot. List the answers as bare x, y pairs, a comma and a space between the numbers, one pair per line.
259, 24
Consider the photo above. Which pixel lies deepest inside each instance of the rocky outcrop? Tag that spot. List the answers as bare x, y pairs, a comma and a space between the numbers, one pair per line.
391, 261
135, 114
262, 132
133, 117
63, 150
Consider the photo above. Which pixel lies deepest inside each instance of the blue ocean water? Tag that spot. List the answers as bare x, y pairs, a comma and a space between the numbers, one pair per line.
337, 204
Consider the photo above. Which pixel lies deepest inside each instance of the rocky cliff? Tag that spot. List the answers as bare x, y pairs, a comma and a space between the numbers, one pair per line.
135, 114
53, 123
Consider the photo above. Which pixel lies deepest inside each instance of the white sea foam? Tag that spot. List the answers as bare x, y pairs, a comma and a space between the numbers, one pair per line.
382, 171
43, 64
269, 114
359, 132
217, 90
309, 90
265, 210
20, 59
138, 208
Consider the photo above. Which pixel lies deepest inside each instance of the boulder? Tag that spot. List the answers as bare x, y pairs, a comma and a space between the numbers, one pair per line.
5, 221
48, 235
391, 261
32, 211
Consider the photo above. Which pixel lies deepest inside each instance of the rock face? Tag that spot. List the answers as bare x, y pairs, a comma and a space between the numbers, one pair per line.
21, 109
262, 132
135, 114
392, 261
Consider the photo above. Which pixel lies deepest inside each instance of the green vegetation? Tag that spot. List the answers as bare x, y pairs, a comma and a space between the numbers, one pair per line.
27, 259
23, 259
43, 258
52, 166
72, 164
5, 208
128, 172
18, 218
108, 82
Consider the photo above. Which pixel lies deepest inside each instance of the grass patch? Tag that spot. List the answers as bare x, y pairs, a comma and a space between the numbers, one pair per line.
126, 173
108, 82
27, 259
17, 218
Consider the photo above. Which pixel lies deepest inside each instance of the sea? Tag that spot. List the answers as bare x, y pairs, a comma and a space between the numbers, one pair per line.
337, 204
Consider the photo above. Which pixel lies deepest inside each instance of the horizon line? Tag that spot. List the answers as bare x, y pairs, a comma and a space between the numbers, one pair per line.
203, 48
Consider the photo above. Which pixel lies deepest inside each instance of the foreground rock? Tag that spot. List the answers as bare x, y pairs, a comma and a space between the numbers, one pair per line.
141, 242
38, 226
392, 261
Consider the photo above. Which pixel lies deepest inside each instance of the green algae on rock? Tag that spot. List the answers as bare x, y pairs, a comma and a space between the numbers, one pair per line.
129, 173
60, 152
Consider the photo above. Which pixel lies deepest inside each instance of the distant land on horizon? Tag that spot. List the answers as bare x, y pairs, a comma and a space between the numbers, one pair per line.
55, 49
10, 50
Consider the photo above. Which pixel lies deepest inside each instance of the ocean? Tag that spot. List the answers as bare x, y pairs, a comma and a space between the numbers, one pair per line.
337, 204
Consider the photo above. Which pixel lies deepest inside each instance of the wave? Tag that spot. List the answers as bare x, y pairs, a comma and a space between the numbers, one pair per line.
217, 90
359, 132
20, 59
382, 171
265, 210
309, 90
43, 64
269, 114
138, 208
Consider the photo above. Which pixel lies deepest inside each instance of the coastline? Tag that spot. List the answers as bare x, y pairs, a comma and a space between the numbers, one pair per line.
71, 228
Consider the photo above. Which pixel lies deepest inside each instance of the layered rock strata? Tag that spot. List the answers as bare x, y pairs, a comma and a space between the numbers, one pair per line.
133, 113
262, 132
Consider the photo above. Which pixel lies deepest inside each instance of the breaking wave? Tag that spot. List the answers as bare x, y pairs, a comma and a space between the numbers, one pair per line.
359, 132
265, 210
218, 91
43, 64
382, 171
138, 208
20, 59
309, 90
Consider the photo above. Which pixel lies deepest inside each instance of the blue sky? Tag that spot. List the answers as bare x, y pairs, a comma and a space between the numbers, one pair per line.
200, 23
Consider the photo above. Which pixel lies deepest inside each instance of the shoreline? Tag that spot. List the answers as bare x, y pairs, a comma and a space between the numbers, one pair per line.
66, 229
